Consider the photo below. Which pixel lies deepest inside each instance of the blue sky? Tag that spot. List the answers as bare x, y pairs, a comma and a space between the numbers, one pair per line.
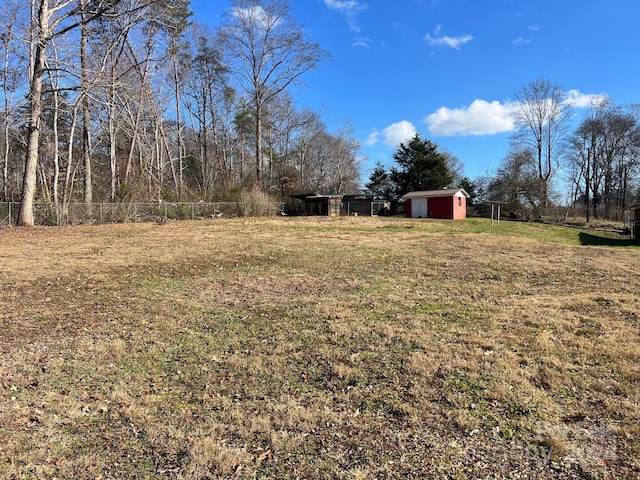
449, 69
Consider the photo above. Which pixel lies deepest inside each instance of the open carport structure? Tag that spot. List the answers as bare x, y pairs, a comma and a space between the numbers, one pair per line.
337, 205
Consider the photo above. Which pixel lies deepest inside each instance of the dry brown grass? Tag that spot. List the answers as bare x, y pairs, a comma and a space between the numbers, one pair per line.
316, 348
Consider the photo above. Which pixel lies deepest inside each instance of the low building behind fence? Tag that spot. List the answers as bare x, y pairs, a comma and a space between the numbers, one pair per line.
336, 205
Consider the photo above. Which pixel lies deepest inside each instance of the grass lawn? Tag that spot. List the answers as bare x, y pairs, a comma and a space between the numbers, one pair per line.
352, 348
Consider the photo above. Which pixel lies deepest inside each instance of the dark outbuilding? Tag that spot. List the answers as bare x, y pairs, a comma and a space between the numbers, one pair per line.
336, 205
634, 224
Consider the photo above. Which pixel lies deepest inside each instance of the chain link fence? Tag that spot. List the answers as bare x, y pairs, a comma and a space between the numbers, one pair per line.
97, 213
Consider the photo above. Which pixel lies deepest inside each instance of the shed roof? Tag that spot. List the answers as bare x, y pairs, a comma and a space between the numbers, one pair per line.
315, 196
447, 192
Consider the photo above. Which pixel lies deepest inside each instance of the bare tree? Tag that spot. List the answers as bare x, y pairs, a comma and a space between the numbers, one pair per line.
268, 53
10, 78
54, 79
177, 14
455, 166
582, 145
604, 151
284, 123
204, 94
542, 119
517, 183
86, 110
140, 96
324, 162
41, 30
50, 19
344, 161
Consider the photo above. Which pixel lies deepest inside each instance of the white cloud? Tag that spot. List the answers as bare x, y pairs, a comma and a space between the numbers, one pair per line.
362, 42
393, 135
522, 41
256, 14
372, 139
446, 40
342, 5
349, 8
399, 132
479, 118
525, 40
490, 118
583, 100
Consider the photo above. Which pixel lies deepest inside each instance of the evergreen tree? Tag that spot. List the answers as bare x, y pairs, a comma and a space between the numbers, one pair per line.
379, 184
420, 167
471, 188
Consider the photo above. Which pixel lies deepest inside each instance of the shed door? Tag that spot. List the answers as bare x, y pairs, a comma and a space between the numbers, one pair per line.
419, 208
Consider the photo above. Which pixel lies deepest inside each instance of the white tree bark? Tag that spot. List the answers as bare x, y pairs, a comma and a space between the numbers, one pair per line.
41, 31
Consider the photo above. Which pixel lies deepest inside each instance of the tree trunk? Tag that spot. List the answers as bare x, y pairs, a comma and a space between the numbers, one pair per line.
258, 143
86, 110
25, 217
112, 140
204, 149
176, 83
161, 140
135, 131
5, 158
69, 178
56, 155
588, 183
7, 94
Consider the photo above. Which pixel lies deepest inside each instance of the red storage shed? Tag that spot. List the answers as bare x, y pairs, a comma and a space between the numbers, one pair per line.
444, 204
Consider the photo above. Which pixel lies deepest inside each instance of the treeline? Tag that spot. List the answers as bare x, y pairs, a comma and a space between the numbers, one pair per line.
591, 165
132, 100
603, 156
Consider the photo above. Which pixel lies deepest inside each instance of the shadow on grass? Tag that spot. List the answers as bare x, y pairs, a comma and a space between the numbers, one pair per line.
598, 240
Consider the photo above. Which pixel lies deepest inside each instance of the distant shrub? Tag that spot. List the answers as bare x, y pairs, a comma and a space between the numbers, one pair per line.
255, 203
